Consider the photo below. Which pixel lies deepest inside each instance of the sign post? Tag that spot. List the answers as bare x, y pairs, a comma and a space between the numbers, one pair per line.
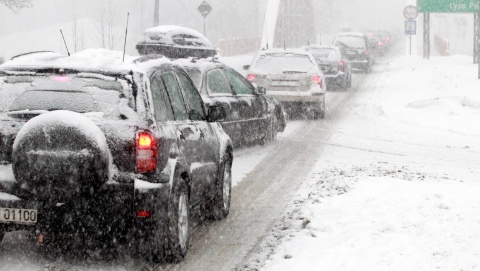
204, 9
410, 13
478, 38
410, 29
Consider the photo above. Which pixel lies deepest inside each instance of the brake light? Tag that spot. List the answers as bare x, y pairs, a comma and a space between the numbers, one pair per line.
251, 77
341, 66
380, 43
146, 152
143, 213
317, 79
366, 53
61, 78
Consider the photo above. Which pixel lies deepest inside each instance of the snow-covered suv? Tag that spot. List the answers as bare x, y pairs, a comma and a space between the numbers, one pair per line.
91, 146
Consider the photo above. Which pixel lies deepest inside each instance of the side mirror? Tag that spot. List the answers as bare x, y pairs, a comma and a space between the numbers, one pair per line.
261, 90
216, 113
246, 67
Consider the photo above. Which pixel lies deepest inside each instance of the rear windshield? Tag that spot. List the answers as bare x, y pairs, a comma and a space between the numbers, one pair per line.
52, 92
328, 54
277, 63
350, 41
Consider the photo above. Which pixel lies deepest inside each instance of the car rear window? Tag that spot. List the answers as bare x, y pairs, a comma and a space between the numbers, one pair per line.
48, 93
328, 54
350, 41
277, 63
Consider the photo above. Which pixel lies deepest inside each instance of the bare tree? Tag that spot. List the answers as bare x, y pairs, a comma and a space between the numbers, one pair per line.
107, 24
17, 5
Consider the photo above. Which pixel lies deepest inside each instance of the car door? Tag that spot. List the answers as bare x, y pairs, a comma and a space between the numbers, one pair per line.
188, 136
163, 114
253, 107
220, 92
210, 155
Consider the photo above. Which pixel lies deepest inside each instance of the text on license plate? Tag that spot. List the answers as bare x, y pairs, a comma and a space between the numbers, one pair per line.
21, 216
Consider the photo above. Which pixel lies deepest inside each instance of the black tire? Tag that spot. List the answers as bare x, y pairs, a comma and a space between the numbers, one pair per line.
320, 112
271, 133
178, 228
220, 205
2, 233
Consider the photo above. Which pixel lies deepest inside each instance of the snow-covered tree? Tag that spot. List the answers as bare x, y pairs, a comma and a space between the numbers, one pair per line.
17, 5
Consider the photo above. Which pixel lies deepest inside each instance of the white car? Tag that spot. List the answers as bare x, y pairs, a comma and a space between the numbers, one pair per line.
292, 77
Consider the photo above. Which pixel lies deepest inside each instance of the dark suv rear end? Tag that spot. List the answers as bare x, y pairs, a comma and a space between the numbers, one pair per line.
114, 152
356, 49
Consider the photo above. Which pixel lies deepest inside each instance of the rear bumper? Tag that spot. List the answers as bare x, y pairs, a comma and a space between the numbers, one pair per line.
113, 209
290, 96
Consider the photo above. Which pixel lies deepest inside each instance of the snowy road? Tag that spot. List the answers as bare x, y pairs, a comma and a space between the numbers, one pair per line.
264, 176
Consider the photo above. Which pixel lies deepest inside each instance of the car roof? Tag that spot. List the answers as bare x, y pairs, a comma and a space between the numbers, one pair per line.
315, 46
99, 61
287, 51
202, 64
350, 34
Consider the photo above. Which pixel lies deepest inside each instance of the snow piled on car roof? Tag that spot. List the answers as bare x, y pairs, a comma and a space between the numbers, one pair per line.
87, 60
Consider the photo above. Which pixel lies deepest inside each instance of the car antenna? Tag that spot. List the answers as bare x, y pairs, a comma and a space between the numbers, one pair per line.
265, 27
125, 43
65, 42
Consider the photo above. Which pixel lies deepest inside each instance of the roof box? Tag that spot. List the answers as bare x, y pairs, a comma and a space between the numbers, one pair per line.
175, 42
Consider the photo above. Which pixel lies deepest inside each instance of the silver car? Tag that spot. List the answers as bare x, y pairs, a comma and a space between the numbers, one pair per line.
292, 77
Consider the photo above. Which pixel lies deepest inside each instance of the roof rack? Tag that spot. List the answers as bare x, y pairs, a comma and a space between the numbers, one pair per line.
31, 53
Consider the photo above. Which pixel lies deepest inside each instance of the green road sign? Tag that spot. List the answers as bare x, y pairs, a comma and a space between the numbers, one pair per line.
447, 6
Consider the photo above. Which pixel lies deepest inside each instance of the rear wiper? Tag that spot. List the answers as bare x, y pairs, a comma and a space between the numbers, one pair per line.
25, 114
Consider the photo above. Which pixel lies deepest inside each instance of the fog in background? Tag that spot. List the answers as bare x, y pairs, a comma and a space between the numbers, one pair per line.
229, 19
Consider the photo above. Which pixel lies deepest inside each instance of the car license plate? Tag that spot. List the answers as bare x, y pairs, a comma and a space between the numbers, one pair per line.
19, 216
284, 84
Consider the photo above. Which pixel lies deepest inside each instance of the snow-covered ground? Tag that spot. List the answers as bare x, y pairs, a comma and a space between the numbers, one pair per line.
397, 186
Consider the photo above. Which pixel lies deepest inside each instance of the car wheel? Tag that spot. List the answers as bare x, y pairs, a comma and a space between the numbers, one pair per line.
272, 129
220, 205
321, 111
178, 229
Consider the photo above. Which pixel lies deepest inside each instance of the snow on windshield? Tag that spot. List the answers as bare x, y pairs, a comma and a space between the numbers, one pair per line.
277, 63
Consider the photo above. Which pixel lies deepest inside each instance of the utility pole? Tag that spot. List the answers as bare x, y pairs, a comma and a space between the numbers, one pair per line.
156, 13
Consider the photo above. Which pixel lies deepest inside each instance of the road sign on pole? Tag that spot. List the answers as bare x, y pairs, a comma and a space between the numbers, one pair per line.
204, 9
410, 27
410, 12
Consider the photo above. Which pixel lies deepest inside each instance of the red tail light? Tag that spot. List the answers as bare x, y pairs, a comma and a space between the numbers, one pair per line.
317, 79
146, 152
143, 213
251, 77
341, 66
366, 53
380, 43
